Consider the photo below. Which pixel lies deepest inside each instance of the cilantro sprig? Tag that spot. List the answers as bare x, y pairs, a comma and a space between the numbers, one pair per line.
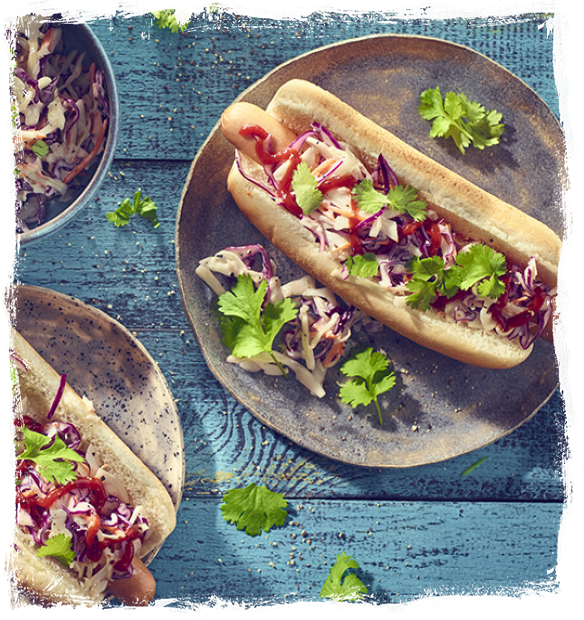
480, 265
214, 8
168, 19
249, 325
142, 207
175, 18
403, 199
58, 547
52, 456
254, 508
351, 588
429, 280
371, 378
466, 122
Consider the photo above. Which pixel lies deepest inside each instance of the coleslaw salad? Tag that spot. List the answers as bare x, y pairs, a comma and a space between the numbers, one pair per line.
315, 340
62, 116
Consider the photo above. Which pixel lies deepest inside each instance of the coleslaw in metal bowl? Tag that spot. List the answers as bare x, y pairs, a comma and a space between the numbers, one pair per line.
66, 121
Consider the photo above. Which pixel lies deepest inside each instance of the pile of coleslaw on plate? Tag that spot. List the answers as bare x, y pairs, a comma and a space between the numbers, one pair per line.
61, 113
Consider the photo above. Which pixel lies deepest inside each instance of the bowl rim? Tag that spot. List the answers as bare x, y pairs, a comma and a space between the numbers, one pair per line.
56, 223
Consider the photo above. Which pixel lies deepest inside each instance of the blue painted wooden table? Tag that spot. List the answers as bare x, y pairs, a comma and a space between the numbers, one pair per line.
414, 532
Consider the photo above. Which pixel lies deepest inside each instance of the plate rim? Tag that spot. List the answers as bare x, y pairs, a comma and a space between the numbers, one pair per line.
45, 291
245, 96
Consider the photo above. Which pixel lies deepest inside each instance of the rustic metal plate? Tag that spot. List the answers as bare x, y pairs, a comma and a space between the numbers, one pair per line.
439, 408
104, 362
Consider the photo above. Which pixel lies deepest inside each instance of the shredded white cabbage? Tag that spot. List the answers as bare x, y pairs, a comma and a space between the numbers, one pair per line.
312, 328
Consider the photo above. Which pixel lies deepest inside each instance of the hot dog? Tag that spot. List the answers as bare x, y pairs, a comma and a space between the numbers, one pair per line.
490, 322
85, 519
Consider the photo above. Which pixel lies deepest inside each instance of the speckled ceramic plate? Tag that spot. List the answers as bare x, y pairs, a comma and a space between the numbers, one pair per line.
439, 408
104, 362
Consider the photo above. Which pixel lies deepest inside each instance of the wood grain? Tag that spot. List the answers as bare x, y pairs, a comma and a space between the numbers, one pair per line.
405, 550
414, 532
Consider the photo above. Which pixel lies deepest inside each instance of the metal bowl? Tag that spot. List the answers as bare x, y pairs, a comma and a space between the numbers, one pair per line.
60, 211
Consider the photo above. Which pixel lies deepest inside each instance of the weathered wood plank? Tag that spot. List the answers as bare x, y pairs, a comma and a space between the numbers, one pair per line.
173, 87
405, 551
412, 531
130, 274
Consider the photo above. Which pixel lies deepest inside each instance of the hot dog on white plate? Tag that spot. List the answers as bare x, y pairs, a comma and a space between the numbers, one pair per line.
484, 324
98, 517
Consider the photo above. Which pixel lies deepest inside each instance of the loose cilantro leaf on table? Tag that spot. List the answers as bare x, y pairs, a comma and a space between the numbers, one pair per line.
145, 208
49, 459
249, 326
458, 118
400, 198
364, 265
308, 196
215, 7
167, 19
371, 378
58, 547
173, 17
254, 509
351, 588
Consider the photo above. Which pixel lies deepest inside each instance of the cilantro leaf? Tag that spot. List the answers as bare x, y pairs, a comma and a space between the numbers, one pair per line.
351, 588
215, 7
145, 208
368, 198
308, 196
364, 265
466, 122
45, 456
248, 326
40, 148
482, 264
371, 378
58, 547
404, 200
479, 265
254, 509
167, 19
429, 280
400, 198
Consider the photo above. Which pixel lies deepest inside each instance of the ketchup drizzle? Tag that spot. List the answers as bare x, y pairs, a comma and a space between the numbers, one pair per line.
260, 135
36, 506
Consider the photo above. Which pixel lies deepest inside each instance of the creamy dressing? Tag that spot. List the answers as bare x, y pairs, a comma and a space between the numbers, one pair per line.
317, 321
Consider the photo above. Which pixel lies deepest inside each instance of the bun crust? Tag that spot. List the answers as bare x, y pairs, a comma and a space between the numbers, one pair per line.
46, 578
470, 210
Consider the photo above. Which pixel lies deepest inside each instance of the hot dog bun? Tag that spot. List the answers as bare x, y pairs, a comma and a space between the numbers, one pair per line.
45, 578
470, 210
